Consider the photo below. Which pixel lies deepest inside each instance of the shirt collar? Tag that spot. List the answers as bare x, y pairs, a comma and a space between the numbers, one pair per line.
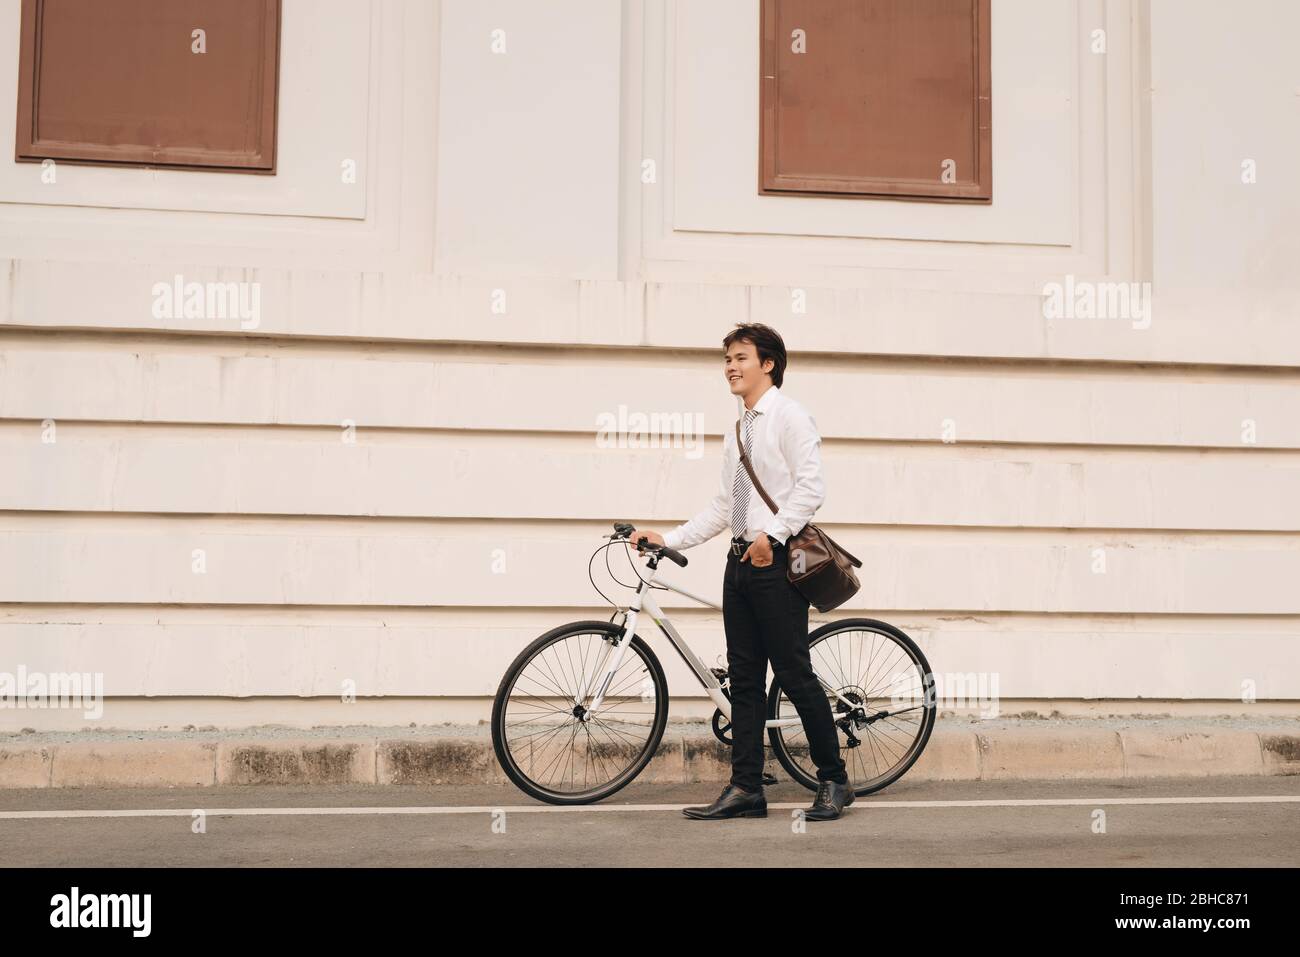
765, 403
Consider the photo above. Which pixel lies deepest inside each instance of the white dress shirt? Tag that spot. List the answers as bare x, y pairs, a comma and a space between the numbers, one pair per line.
787, 459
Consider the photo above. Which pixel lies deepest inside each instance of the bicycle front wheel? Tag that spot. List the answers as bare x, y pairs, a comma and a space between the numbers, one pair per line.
549, 744
881, 697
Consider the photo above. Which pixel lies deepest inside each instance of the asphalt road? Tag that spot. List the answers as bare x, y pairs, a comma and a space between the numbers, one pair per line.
642, 826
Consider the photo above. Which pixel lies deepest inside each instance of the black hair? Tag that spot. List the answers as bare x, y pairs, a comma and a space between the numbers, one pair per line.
767, 341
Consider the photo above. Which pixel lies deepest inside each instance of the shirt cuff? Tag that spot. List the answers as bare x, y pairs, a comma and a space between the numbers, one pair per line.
777, 532
674, 539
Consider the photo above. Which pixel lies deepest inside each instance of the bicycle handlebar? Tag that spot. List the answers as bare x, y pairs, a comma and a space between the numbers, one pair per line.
623, 530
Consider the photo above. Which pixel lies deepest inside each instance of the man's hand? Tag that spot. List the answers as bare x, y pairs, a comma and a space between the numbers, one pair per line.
760, 551
654, 538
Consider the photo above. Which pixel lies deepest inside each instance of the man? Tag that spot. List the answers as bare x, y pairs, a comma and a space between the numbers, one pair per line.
765, 617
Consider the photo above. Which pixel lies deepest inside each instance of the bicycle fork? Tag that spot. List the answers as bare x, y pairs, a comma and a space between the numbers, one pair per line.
712, 687
615, 659
645, 601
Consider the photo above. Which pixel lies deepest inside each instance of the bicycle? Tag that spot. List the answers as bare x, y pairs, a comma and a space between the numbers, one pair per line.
575, 703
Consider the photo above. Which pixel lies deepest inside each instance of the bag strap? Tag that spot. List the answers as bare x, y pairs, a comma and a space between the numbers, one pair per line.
740, 447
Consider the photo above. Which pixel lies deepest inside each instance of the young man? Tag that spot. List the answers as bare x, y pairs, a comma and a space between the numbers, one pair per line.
765, 617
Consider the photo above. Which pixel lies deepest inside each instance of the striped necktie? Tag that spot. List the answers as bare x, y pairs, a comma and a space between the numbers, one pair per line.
741, 486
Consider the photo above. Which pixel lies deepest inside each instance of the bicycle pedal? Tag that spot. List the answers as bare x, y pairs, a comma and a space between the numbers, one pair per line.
768, 778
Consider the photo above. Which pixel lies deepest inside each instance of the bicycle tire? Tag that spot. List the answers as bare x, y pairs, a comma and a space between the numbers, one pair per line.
501, 742
780, 747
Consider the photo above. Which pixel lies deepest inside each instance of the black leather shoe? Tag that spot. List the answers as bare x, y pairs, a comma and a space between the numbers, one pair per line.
831, 800
733, 802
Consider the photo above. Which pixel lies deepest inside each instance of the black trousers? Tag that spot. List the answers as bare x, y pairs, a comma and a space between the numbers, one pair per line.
766, 619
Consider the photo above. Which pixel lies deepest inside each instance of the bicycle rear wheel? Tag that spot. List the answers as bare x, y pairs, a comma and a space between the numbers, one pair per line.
890, 709
538, 729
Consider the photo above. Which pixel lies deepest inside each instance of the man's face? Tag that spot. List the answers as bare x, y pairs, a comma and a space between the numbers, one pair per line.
742, 368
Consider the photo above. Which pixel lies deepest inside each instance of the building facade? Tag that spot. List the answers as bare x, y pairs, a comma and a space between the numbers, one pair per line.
328, 441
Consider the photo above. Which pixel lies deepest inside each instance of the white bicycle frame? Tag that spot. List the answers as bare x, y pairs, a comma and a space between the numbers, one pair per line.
644, 600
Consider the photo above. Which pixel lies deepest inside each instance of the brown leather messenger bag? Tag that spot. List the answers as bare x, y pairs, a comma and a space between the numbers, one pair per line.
818, 568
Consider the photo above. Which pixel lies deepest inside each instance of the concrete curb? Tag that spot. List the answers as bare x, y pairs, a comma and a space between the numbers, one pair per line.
954, 753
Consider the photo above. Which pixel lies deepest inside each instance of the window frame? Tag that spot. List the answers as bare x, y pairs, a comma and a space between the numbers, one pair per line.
771, 183
28, 148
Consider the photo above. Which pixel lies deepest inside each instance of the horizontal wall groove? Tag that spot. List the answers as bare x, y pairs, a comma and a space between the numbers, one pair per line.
537, 523
545, 438
78, 613
579, 352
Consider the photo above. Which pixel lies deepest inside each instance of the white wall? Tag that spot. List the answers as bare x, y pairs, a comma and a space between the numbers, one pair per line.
528, 139
1224, 93
418, 560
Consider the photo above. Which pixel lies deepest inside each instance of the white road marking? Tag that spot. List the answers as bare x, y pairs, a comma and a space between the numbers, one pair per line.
864, 803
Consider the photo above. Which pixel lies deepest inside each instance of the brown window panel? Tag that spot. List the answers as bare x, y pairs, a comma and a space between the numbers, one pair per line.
889, 99
115, 82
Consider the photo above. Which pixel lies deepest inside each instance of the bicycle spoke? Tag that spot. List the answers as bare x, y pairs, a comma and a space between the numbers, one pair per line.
615, 743
557, 684
609, 728
559, 754
614, 692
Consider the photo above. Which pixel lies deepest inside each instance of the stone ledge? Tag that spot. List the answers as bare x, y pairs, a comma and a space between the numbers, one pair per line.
956, 752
